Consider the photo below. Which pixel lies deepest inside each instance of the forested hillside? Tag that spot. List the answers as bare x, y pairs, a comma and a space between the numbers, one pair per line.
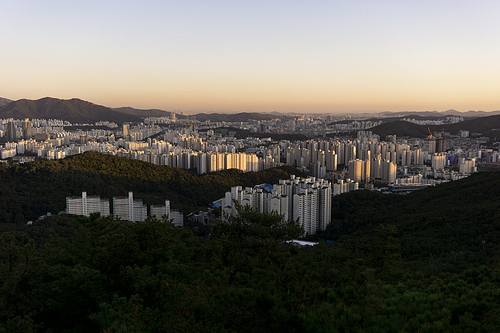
73, 110
413, 263
234, 117
4, 101
243, 134
32, 189
487, 126
446, 223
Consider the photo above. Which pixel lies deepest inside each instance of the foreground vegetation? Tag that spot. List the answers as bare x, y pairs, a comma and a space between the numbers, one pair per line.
439, 229
411, 263
387, 263
33, 189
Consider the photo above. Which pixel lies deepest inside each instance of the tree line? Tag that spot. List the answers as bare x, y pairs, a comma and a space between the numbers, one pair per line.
98, 274
33, 189
386, 263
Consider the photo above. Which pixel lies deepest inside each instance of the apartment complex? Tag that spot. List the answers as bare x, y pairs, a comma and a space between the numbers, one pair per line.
172, 214
130, 209
85, 205
126, 208
308, 200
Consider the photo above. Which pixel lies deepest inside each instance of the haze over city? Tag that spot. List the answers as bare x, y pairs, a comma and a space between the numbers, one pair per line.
310, 57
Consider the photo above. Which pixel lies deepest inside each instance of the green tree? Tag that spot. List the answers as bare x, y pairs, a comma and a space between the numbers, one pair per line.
387, 253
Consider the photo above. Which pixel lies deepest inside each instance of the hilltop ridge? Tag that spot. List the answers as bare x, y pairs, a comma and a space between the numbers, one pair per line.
428, 261
144, 112
4, 101
486, 126
73, 110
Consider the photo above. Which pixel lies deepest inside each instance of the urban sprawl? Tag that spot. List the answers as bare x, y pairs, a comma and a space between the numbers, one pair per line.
339, 157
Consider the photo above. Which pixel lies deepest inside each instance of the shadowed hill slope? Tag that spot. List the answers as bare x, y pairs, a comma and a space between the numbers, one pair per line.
32, 189
404, 267
73, 110
400, 129
487, 126
238, 117
144, 113
4, 101
446, 223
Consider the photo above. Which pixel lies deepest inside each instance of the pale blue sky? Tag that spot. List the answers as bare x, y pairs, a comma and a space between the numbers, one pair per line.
315, 56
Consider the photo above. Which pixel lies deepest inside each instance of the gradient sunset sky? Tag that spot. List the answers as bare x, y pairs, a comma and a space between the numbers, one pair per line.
262, 56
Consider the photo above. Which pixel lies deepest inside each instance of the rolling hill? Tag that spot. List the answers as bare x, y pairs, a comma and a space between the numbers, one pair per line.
400, 129
143, 112
487, 126
72, 110
243, 134
445, 223
437, 114
244, 116
424, 262
477, 125
42, 186
4, 101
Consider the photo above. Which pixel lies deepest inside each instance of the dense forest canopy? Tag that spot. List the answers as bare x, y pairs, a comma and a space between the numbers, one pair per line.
33, 189
76, 274
387, 263
448, 221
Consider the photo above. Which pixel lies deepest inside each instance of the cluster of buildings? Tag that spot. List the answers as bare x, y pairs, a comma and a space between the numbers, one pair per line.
307, 200
446, 120
125, 208
16, 129
336, 165
367, 158
10, 129
48, 138
351, 163
304, 124
364, 160
354, 125
180, 148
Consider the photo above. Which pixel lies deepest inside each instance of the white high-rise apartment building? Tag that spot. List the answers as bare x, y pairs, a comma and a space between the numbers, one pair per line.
129, 209
126, 129
325, 204
160, 210
384, 170
359, 170
467, 165
438, 161
305, 209
85, 205
172, 214
389, 172
344, 187
177, 217
309, 200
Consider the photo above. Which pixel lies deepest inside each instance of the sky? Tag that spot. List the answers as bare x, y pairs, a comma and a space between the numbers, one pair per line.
258, 56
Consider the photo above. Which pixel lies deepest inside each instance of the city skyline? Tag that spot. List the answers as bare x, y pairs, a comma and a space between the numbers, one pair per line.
320, 57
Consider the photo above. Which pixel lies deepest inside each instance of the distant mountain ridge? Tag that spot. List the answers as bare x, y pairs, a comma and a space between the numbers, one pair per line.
400, 129
487, 126
4, 101
144, 112
467, 114
72, 110
237, 117
77, 110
